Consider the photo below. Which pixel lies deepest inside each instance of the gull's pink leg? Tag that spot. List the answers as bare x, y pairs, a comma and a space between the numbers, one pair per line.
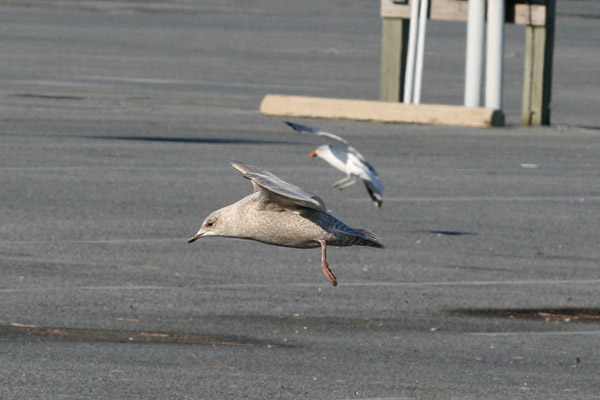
324, 264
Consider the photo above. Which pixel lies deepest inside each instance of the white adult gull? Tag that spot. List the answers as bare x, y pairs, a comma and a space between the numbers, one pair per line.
346, 159
282, 214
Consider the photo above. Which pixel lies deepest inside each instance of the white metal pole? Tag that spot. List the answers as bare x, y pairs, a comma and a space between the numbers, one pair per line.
420, 51
474, 58
494, 56
410, 52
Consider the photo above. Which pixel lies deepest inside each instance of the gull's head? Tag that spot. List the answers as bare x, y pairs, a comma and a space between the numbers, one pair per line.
320, 151
212, 226
336, 157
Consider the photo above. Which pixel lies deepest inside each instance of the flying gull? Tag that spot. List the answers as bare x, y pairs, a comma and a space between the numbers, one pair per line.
282, 214
346, 159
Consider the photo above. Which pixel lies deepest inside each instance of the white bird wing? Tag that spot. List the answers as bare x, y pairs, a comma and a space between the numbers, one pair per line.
358, 166
352, 150
369, 176
309, 130
315, 132
275, 190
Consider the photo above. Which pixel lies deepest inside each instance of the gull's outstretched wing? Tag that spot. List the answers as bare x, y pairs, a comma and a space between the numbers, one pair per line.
275, 190
309, 130
315, 132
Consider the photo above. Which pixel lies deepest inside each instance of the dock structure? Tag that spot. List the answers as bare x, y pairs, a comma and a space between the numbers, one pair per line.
397, 104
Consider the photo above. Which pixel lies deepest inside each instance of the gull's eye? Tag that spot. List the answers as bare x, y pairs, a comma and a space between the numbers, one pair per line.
210, 223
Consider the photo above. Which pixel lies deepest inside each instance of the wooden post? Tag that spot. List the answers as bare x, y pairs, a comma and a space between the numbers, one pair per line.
394, 41
537, 80
538, 15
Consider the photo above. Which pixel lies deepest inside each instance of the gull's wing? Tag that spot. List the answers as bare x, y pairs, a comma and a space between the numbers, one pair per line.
309, 130
360, 167
314, 131
369, 175
273, 189
352, 150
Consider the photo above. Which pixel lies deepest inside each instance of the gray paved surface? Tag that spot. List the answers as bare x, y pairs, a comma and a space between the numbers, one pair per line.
118, 121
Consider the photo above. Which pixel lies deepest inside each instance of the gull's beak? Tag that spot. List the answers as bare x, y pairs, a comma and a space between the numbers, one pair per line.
312, 154
195, 237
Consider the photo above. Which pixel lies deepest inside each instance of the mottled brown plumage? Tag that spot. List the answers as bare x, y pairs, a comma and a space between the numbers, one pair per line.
282, 214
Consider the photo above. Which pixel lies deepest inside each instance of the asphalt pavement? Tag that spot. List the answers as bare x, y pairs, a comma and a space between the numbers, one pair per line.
118, 123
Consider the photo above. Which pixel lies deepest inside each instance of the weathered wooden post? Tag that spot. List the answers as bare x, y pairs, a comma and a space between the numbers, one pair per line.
538, 15
537, 79
394, 44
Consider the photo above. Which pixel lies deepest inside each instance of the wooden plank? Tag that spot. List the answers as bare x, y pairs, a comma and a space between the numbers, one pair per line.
450, 10
537, 74
521, 12
534, 14
364, 110
389, 9
394, 41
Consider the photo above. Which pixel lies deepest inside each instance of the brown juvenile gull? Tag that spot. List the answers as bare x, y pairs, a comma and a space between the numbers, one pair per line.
283, 214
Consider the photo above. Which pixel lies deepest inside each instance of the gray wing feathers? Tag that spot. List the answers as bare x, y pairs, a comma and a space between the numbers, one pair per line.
314, 131
374, 192
275, 189
372, 238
